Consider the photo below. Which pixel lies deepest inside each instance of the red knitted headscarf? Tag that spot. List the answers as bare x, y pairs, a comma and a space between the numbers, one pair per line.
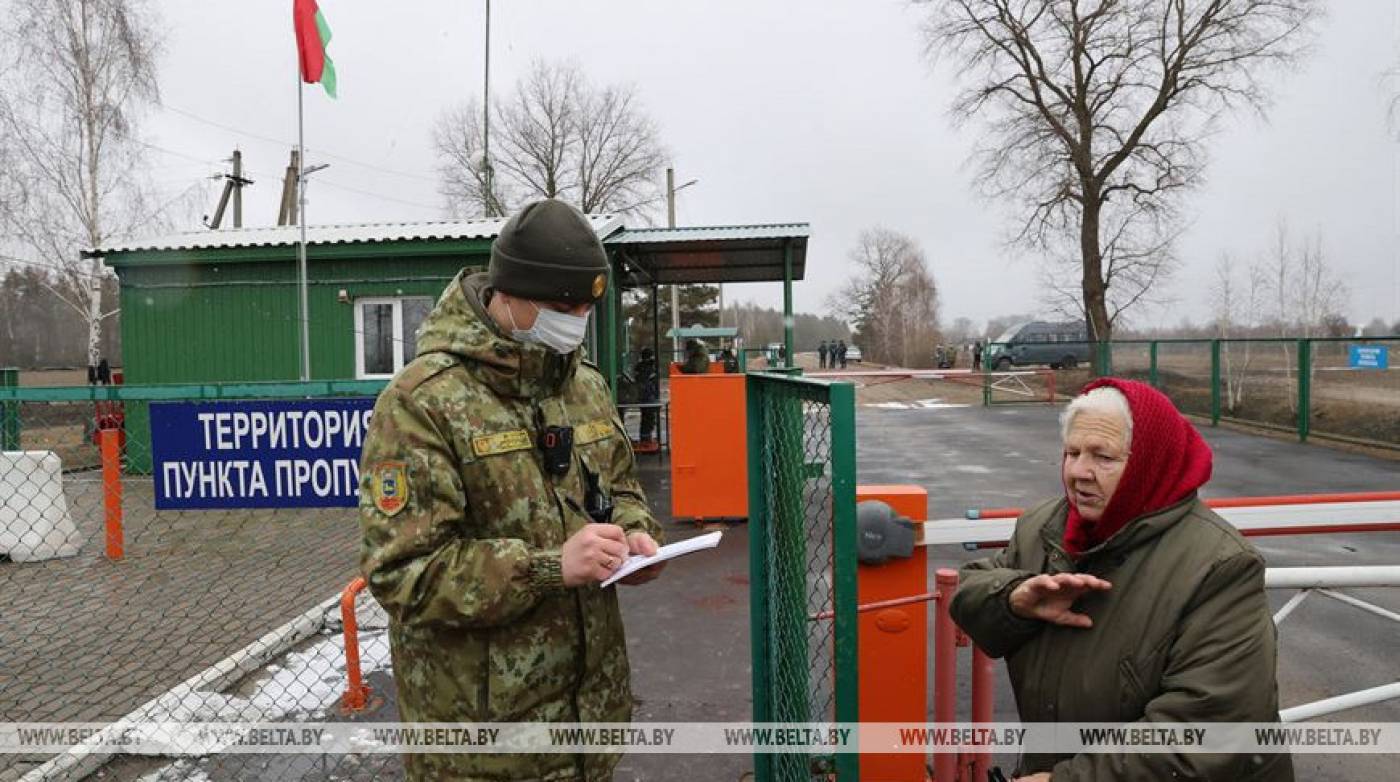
1169, 461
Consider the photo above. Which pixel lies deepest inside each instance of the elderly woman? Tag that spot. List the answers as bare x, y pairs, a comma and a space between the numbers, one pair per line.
1128, 600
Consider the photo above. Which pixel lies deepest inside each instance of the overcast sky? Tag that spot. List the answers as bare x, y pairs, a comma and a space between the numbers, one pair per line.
825, 113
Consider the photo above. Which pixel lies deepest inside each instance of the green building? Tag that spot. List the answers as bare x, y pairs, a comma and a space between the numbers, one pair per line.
222, 306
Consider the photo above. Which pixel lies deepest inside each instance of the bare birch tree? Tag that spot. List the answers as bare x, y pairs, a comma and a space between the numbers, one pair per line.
1236, 305
1097, 113
1304, 291
77, 75
463, 180
891, 299
554, 136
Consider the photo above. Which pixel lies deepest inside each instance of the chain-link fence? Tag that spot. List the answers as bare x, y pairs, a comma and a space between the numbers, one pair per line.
1344, 389
803, 563
152, 569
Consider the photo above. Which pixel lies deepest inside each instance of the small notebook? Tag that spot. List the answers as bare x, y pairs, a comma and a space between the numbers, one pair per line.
637, 562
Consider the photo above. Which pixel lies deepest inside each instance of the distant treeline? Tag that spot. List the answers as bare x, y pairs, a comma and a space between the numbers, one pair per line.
38, 329
759, 326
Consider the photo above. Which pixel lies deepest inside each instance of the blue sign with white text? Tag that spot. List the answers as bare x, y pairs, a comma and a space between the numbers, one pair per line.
1369, 357
263, 454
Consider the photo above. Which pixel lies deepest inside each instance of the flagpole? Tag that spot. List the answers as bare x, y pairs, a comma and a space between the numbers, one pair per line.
301, 246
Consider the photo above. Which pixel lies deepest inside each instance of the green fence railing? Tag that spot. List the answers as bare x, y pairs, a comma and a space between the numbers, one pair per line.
1340, 388
802, 537
62, 419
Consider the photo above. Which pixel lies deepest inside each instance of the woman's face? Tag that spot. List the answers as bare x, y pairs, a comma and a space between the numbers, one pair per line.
1095, 455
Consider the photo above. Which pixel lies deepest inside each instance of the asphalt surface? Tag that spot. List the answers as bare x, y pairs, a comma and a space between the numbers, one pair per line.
688, 632
1008, 457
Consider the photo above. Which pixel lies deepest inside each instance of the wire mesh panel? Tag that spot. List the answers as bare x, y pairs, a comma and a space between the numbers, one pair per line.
1259, 382
802, 517
1354, 390
1183, 371
117, 606
1130, 359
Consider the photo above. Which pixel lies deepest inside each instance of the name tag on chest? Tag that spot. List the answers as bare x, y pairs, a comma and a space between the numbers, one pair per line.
501, 442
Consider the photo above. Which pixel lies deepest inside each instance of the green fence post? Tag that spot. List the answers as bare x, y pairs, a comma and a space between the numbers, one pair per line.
1152, 364
9, 412
790, 360
1215, 382
1101, 358
1304, 388
760, 652
844, 590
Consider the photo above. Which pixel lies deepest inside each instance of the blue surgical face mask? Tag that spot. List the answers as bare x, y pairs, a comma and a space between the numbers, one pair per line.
558, 331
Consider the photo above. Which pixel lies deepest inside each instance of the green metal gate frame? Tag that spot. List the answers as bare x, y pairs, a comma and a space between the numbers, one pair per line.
802, 564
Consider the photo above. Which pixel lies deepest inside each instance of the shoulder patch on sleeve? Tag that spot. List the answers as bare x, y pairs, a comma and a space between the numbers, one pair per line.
388, 484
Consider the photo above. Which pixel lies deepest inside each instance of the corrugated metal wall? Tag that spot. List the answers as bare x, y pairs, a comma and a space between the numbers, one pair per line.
195, 319
200, 321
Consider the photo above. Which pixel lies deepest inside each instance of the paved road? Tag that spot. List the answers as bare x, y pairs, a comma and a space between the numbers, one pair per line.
688, 632
1008, 457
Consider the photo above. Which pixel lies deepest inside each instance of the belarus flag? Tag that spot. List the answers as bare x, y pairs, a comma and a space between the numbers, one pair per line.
313, 35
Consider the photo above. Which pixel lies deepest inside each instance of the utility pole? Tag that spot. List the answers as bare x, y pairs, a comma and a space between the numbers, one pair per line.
675, 290
287, 212
492, 208
233, 184
671, 191
238, 182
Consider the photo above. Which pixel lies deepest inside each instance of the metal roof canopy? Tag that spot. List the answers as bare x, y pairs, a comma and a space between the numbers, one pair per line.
703, 332
686, 256
321, 235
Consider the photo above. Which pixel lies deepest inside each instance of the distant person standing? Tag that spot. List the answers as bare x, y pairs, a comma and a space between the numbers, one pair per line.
841, 352
730, 361
977, 355
648, 393
821, 354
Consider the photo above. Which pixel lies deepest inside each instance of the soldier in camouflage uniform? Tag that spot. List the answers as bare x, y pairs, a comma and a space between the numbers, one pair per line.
697, 358
476, 519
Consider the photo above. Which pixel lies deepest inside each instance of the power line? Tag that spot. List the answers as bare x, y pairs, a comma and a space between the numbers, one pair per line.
338, 186
265, 174
381, 196
283, 142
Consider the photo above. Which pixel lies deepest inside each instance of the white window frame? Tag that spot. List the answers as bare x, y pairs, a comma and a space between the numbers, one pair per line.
396, 320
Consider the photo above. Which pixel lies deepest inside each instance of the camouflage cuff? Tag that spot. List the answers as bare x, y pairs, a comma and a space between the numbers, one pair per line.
546, 571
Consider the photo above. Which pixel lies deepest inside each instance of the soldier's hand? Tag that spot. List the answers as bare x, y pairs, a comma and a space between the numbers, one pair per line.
592, 554
642, 544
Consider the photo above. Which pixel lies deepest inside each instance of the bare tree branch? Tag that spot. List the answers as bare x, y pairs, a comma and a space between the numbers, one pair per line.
76, 76
1096, 115
556, 136
891, 299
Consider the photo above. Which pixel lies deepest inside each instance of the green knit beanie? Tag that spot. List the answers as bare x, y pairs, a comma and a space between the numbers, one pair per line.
548, 251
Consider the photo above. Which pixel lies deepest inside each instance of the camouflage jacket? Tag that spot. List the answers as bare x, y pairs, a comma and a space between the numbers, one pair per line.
462, 531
